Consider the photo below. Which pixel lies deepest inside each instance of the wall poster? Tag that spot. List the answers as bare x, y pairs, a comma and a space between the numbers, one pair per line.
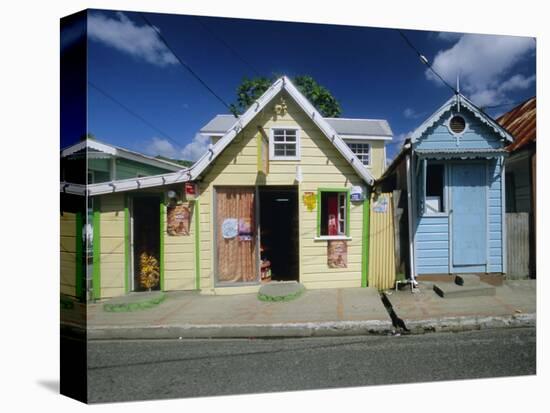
337, 254
178, 218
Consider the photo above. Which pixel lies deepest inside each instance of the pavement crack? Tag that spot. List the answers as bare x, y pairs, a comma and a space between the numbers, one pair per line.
397, 322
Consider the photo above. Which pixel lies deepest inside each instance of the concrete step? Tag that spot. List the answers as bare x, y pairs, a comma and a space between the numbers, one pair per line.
467, 279
450, 290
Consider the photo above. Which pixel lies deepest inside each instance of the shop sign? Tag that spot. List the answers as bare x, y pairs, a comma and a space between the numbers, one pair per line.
310, 200
337, 254
191, 190
357, 194
178, 217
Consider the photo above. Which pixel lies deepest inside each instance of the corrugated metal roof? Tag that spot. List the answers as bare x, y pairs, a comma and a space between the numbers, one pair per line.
521, 122
343, 126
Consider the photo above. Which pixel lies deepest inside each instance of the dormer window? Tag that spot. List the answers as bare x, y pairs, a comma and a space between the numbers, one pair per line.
284, 144
362, 151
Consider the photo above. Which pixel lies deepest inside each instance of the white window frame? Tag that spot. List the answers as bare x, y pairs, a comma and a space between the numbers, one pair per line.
361, 142
272, 156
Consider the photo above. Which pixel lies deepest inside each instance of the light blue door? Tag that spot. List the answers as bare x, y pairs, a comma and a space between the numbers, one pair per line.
469, 214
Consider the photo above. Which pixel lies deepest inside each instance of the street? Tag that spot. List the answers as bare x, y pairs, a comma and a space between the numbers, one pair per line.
156, 369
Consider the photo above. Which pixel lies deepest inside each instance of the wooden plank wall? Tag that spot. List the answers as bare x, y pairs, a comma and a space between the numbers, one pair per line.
67, 251
382, 246
517, 227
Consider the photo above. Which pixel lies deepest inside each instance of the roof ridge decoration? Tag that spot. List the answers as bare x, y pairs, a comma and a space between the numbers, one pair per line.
464, 102
242, 121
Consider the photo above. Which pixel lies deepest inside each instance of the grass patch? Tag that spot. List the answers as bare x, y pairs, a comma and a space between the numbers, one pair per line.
281, 298
134, 306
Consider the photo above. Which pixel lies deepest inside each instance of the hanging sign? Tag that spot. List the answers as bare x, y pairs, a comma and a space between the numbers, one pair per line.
191, 190
310, 200
357, 194
245, 229
230, 228
337, 254
380, 205
178, 217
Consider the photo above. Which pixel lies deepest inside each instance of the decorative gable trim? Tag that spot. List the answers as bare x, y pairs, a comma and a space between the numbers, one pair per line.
464, 103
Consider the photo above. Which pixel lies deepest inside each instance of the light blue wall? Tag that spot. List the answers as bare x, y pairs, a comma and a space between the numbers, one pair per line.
477, 135
432, 244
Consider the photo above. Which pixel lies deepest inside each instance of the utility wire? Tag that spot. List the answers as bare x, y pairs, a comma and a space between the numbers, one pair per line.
227, 45
425, 61
186, 66
136, 115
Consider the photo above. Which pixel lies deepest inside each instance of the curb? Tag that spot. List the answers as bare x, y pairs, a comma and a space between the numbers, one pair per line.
336, 328
300, 330
458, 324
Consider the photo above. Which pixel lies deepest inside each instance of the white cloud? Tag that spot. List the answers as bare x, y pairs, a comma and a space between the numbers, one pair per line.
483, 63
448, 36
190, 152
410, 113
198, 146
162, 147
123, 34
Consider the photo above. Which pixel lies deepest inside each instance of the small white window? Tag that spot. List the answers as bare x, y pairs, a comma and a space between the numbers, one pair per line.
284, 144
362, 151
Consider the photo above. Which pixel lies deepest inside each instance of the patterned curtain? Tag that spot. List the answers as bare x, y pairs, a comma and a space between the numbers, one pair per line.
236, 235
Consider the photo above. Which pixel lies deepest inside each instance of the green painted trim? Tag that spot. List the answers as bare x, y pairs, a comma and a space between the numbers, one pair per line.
79, 282
126, 245
366, 242
348, 203
161, 260
96, 276
197, 217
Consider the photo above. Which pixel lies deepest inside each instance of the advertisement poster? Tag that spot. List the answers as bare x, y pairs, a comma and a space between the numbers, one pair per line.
178, 217
310, 200
380, 205
230, 228
337, 254
245, 229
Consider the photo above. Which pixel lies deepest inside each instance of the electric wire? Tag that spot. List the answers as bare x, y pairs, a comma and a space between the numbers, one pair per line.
187, 67
136, 115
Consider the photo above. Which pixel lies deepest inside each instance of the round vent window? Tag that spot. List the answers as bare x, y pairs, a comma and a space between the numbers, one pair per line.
457, 124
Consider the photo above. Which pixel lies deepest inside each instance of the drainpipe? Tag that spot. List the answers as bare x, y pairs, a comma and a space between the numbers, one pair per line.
410, 216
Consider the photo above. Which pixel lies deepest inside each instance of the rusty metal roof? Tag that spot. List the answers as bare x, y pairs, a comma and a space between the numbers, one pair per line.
521, 122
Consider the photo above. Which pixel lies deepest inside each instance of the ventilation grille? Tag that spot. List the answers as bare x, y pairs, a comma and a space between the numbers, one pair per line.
457, 124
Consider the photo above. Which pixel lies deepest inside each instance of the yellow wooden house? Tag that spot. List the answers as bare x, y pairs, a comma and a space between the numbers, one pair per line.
282, 194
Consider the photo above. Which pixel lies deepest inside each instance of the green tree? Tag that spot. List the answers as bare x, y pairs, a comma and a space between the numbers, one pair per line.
251, 89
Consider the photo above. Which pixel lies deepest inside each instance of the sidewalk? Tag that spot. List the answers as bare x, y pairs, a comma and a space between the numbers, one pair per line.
350, 311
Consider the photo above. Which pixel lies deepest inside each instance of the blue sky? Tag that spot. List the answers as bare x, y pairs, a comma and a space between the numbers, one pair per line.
371, 71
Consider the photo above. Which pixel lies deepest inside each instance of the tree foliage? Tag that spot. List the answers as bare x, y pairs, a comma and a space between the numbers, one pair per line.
251, 89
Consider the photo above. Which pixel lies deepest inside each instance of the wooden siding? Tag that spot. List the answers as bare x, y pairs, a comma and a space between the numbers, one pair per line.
477, 135
112, 256
67, 251
322, 166
432, 245
517, 231
179, 257
495, 216
382, 246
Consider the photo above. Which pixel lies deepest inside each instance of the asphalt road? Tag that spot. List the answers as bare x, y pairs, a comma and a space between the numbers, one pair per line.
137, 370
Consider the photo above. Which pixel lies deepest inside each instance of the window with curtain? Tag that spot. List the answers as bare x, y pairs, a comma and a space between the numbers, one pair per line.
333, 213
236, 260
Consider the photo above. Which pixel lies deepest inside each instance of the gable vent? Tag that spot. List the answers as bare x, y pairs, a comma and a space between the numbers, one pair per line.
457, 124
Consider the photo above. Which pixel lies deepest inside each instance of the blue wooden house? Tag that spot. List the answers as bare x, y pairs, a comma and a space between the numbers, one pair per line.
451, 169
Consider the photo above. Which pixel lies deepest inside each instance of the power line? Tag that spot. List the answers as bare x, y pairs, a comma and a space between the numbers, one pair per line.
425, 61
227, 45
186, 66
136, 115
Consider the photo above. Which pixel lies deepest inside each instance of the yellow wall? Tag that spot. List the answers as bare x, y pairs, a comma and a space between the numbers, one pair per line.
322, 167
112, 245
67, 250
179, 257
382, 245
377, 166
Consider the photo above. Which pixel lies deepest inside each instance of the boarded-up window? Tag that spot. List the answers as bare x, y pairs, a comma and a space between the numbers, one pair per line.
236, 235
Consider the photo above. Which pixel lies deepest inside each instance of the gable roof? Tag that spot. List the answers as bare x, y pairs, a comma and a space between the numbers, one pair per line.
104, 150
521, 122
240, 123
464, 102
373, 128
